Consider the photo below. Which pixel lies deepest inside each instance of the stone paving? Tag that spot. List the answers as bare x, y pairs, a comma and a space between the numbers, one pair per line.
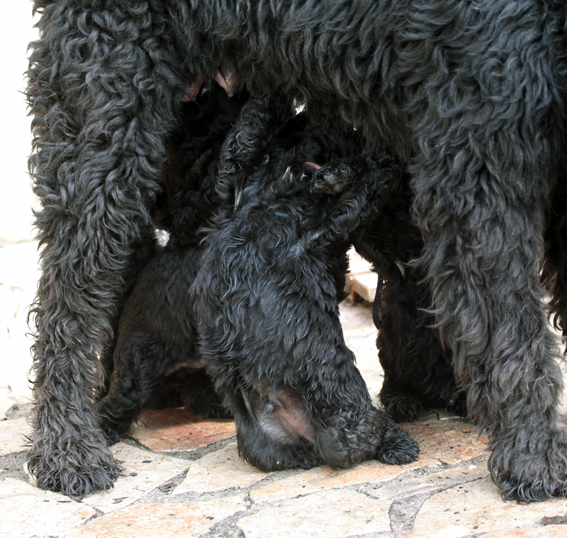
182, 476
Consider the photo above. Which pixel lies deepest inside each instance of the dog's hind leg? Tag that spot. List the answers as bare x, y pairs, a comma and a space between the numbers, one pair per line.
102, 88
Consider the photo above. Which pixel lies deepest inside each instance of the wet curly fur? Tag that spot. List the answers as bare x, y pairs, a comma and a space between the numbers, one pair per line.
266, 297
468, 95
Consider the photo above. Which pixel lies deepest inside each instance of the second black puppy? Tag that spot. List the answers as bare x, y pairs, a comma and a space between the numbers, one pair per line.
155, 361
272, 274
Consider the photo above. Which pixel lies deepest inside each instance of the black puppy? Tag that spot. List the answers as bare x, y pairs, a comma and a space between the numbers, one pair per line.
417, 368
266, 297
264, 306
155, 361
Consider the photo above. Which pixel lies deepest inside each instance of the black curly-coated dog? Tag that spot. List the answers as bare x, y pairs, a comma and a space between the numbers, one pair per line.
417, 368
469, 95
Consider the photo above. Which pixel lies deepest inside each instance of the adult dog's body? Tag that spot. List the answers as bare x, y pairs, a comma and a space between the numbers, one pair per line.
469, 94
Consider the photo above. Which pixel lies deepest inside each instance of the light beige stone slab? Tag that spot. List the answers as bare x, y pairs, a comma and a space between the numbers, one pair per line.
175, 520
329, 514
404, 486
477, 507
360, 337
356, 318
28, 511
142, 470
363, 284
321, 478
449, 441
548, 531
361, 279
219, 470
175, 430
12, 435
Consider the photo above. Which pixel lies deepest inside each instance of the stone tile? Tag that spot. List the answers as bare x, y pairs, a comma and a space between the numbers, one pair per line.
174, 520
143, 471
356, 317
450, 441
550, 531
363, 284
478, 508
321, 478
219, 470
28, 511
438, 479
321, 515
176, 430
12, 435
360, 337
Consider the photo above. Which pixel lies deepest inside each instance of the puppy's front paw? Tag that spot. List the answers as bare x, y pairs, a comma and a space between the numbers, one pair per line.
397, 447
332, 178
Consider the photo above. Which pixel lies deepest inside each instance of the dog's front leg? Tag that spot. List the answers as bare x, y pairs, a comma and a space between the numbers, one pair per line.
102, 93
481, 214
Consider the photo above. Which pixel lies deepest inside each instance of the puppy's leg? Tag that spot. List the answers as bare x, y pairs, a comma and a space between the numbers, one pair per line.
140, 363
246, 142
417, 370
348, 429
98, 150
355, 192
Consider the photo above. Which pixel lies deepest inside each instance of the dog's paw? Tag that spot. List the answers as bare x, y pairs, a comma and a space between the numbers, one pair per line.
74, 468
533, 471
402, 408
396, 447
529, 492
331, 179
531, 464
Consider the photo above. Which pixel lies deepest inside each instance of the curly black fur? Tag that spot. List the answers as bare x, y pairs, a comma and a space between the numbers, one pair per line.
275, 351
470, 95
267, 295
